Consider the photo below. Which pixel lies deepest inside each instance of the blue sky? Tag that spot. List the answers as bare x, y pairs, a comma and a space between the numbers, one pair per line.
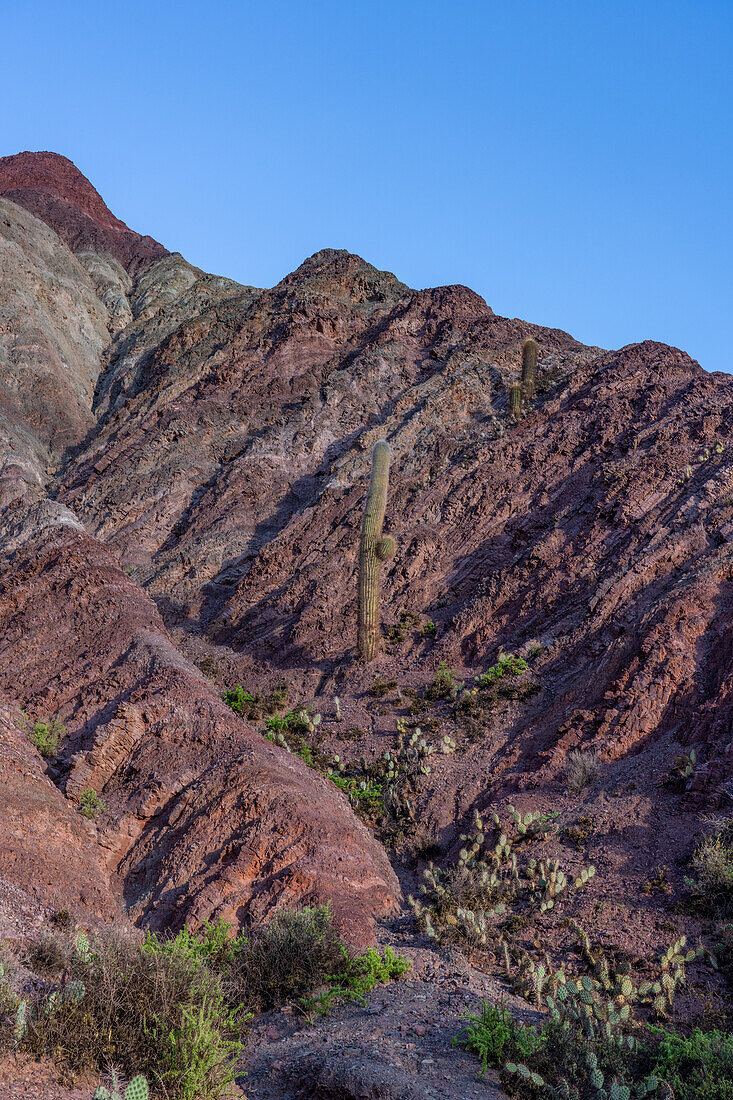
570, 161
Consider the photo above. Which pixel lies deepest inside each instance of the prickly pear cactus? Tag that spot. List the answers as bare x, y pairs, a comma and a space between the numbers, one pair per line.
137, 1089
374, 548
82, 947
21, 1022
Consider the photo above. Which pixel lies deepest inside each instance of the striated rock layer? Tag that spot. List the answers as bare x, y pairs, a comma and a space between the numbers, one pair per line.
187, 473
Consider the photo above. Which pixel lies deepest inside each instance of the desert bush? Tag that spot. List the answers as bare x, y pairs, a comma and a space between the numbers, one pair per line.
287, 958
495, 1037
47, 955
698, 1066
90, 804
160, 1014
254, 706
711, 882
443, 684
46, 735
581, 769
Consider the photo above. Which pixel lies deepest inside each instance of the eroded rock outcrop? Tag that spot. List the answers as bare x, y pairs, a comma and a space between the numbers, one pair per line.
213, 441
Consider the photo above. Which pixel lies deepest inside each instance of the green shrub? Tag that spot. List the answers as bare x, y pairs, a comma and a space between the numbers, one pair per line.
252, 705
507, 665
712, 867
496, 1038
46, 736
443, 684
90, 804
357, 976
295, 721
697, 1066
162, 1014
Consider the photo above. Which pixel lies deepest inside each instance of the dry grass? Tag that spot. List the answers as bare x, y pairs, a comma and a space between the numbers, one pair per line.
581, 769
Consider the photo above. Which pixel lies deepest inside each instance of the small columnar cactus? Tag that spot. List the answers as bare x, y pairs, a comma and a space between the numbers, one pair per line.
529, 367
374, 549
515, 400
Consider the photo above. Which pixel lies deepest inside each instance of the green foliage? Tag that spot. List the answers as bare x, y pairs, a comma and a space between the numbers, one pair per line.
507, 665
199, 1054
443, 684
90, 804
252, 705
213, 944
698, 1066
46, 735
137, 1089
364, 794
496, 1038
356, 977
711, 882
296, 721
429, 629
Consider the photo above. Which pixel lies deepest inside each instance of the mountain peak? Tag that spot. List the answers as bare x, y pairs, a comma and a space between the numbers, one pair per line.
52, 188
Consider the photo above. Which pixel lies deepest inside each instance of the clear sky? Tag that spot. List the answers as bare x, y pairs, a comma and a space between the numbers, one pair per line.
570, 161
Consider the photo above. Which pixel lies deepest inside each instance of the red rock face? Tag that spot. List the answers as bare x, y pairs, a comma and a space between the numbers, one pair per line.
225, 468
52, 188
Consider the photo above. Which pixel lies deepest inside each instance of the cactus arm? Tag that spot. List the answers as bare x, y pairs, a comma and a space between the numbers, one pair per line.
373, 550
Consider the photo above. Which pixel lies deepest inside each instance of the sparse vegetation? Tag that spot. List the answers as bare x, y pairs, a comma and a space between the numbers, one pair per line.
473, 899
173, 1009
46, 735
252, 705
681, 772
507, 665
381, 687
581, 769
443, 684
398, 631
90, 804
711, 881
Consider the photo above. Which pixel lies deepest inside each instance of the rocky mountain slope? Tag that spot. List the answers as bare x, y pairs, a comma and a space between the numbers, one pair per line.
184, 462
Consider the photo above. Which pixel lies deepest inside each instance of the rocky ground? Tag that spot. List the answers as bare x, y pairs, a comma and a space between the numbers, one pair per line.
183, 463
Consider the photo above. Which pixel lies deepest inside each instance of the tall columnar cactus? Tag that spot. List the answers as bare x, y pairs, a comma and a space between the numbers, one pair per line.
374, 548
515, 400
529, 367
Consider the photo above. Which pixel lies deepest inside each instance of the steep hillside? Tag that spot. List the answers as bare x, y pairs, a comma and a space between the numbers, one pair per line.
184, 465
